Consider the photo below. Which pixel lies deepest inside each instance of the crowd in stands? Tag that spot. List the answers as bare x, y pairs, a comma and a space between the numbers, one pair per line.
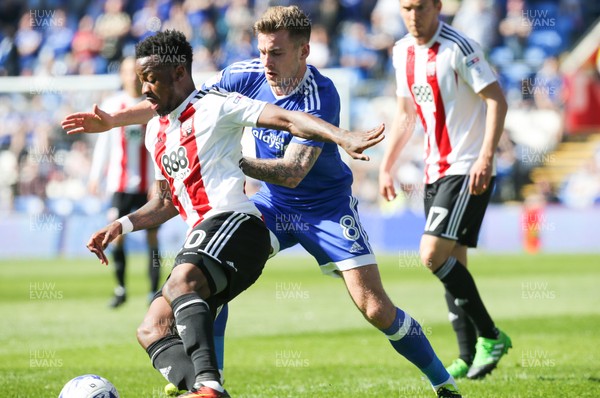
524, 40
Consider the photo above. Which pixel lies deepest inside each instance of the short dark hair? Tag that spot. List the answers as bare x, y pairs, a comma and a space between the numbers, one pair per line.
168, 48
290, 18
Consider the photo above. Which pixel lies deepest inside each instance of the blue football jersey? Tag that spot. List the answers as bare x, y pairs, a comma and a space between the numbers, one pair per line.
316, 94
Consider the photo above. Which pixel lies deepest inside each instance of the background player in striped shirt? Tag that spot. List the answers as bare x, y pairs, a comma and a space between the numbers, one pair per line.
196, 147
443, 78
120, 158
306, 197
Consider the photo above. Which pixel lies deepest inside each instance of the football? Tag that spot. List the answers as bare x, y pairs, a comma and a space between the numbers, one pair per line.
89, 386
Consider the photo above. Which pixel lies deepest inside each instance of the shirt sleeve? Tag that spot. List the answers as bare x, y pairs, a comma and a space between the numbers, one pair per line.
473, 68
241, 109
324, 103
399, 62
215, 81
148, 141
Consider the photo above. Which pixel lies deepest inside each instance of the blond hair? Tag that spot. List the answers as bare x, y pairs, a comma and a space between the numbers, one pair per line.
289, 18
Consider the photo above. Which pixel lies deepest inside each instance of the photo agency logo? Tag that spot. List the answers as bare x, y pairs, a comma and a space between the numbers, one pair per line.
40, 85
533, 86
536, 221
45, 222
414, 391
167, 55
538, 19
290, 291
537, 290
537, 359
44, 358
537, 156
290, 223
290, 359
291, 23
44, 290
409, 259
46, 154
45, 18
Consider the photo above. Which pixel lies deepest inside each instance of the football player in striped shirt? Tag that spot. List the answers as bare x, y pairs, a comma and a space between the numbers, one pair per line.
121, 156
195, 143
306, 197
443, 79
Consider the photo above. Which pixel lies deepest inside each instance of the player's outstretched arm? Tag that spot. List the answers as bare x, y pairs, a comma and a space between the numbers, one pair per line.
310, 127
288, 171
98, 121
402, 129
157, 211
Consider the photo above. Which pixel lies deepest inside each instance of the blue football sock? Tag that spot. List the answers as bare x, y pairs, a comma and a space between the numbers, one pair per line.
219, 335
408, 339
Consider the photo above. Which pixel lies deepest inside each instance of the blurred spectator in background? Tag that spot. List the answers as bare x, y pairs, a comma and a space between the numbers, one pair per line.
178, 21
145, 21
58, 35
525, 40
515, 27
239, 47
86, 44
206, 35
356, 52
328, 16
582, 188
320, 55
478, 20
9, 53
113, 27
121, 159
28, 41
548, 86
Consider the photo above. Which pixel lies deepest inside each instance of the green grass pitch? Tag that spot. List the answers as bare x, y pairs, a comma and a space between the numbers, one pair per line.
296, 333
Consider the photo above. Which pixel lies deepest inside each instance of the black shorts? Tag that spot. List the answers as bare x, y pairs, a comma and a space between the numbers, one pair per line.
452, 212
125, 202
239, 243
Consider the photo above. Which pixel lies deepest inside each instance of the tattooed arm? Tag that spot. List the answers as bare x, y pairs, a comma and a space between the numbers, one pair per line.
288, 171
158, 210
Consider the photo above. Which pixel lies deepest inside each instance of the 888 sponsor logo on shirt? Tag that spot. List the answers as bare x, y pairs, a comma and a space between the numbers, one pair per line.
423, 94
176, 164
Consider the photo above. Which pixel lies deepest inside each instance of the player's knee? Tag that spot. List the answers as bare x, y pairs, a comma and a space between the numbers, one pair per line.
185, 278
427, 258
146, 334
378, 313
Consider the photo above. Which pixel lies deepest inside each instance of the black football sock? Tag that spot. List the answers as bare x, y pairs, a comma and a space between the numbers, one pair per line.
169, 358
194, 321
154, 268
459, 282
466, 335
119, 260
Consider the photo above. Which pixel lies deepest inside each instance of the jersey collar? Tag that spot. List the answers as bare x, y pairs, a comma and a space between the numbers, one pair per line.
175, 113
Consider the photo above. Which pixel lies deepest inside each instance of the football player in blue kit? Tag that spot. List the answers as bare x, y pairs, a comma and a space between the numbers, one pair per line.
305, 196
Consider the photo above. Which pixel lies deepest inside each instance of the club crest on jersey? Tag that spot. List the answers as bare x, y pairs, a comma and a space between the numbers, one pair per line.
186, 128
430, 68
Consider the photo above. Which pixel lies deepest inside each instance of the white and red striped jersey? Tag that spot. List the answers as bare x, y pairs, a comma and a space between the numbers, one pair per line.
443, 78
120, 153
197, 149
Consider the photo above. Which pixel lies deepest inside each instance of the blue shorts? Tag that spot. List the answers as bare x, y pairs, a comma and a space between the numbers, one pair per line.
331, 232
